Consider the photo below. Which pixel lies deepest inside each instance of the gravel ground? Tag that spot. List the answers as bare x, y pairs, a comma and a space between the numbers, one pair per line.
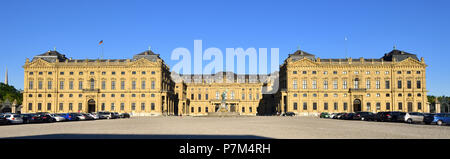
226, 127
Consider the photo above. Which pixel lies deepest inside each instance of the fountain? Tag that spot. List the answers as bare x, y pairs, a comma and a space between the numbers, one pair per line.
223, 110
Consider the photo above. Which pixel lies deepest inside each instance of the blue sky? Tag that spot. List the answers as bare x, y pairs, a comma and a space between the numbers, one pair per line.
28, 28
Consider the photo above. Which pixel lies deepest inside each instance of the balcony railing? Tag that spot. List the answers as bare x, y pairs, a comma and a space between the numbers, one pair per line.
357, 90
91, 90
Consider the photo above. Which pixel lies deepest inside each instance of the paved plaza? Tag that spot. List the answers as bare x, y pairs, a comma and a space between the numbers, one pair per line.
226, 127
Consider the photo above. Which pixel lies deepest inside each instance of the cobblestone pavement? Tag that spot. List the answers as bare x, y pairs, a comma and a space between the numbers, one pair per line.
226, 127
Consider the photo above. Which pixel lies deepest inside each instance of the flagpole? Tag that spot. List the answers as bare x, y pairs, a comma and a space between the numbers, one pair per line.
102, 52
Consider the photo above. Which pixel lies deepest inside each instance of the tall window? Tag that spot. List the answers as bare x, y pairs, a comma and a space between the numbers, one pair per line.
314, 84
305, 84
399, 84
122, 85
133, 106
368, 106
335, 84
295, 105
295, 84
400, 105
206, 96
113, 85
232, 95
408, 84
419, 106
122, 106
152, 106
61, 106
30, 84
387, 84
133, 85
344, 84
80, 106
356, 83
71, 85
92, 83
335, 106
378, 106
325, 106
103, 85
80, 85
305, 106
30, 106
377, 84
143, 84
142, 106
368, 83
49, 106
61, 85
325, 84
113, 106
345, 106
39, 84
314, 106
217, 95
419, 84
153, 85
70, 106
49, 84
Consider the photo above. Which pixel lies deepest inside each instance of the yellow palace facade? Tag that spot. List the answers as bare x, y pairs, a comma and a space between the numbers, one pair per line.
144, 86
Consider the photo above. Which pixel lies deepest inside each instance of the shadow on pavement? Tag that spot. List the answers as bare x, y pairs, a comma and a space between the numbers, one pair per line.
136, 136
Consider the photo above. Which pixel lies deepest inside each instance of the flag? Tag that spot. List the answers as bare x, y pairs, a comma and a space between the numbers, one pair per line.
101, 42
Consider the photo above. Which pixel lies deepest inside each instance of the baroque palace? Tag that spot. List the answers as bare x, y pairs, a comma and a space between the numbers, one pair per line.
145, 86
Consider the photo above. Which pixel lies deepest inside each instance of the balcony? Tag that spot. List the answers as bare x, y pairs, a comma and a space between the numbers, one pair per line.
357, 90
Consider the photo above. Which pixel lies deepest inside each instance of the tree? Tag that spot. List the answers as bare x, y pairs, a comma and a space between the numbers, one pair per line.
10, 93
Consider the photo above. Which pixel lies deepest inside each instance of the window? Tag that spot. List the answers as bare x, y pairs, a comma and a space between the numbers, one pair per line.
344, 72
400, 105
304, 72
314, 106
408, 84
325, 95
399, 72
335, 84
39, 106
314, 84
305, 84
418, 84
143, 84
113, 95
71, 73
295, 94
199, 96
217, 95
295, 105
335, 106
133, 85
113, 85
417, 72
250, 109
400, 95
325, 84
153, 72
122, 85
142, 106
368, 83
113, 73
368, 106
192, 96
344, 84
134, 72
31, 73
232, 95
49, 106
122, 73
305, 106
103, 85
92, 84
30, 106
419, 106
367, 72
71, 85
356, 83
80, 106
61, 73
243, 96
142, 95
387, 84
113, 106
378, 106
386, 72
70, 106
199, 109
50, 73
206, 109
243, 109
388, 95
122, 95
39, 84
153, 85
49, 84
356, 72
325, 72
133, 95
152, 106
295, 84
61, 85
419, 95
122, 106
345, 106
133, 106
335, 72
80, 73
30, 84
91, 73
325, 106
80, 85
314, 72
192, 109
143, 72
40, 73
103, 73
377, 84
408, 72
294, 72
49, 95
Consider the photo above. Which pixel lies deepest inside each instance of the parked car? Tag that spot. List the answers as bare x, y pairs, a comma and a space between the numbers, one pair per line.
57, 118
389, 116
348, 116
289, 114
13, 118
124, 115
68, 116
93, 116
115, 115
324, 115
45, 117
79, 116
338, 116
332, 115
104, 115
439, 118
367, 116
412, 117
87, 116
3, 120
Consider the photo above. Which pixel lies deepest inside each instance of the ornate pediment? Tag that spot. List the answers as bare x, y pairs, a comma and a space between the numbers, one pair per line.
39, 63
303, 62
409, 62
143, 62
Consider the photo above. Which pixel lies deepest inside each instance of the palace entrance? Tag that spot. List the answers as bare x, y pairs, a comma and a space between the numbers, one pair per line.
91, 106
357, 105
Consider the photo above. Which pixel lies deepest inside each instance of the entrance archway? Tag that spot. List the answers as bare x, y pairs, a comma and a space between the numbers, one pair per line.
91, 106
356, 105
